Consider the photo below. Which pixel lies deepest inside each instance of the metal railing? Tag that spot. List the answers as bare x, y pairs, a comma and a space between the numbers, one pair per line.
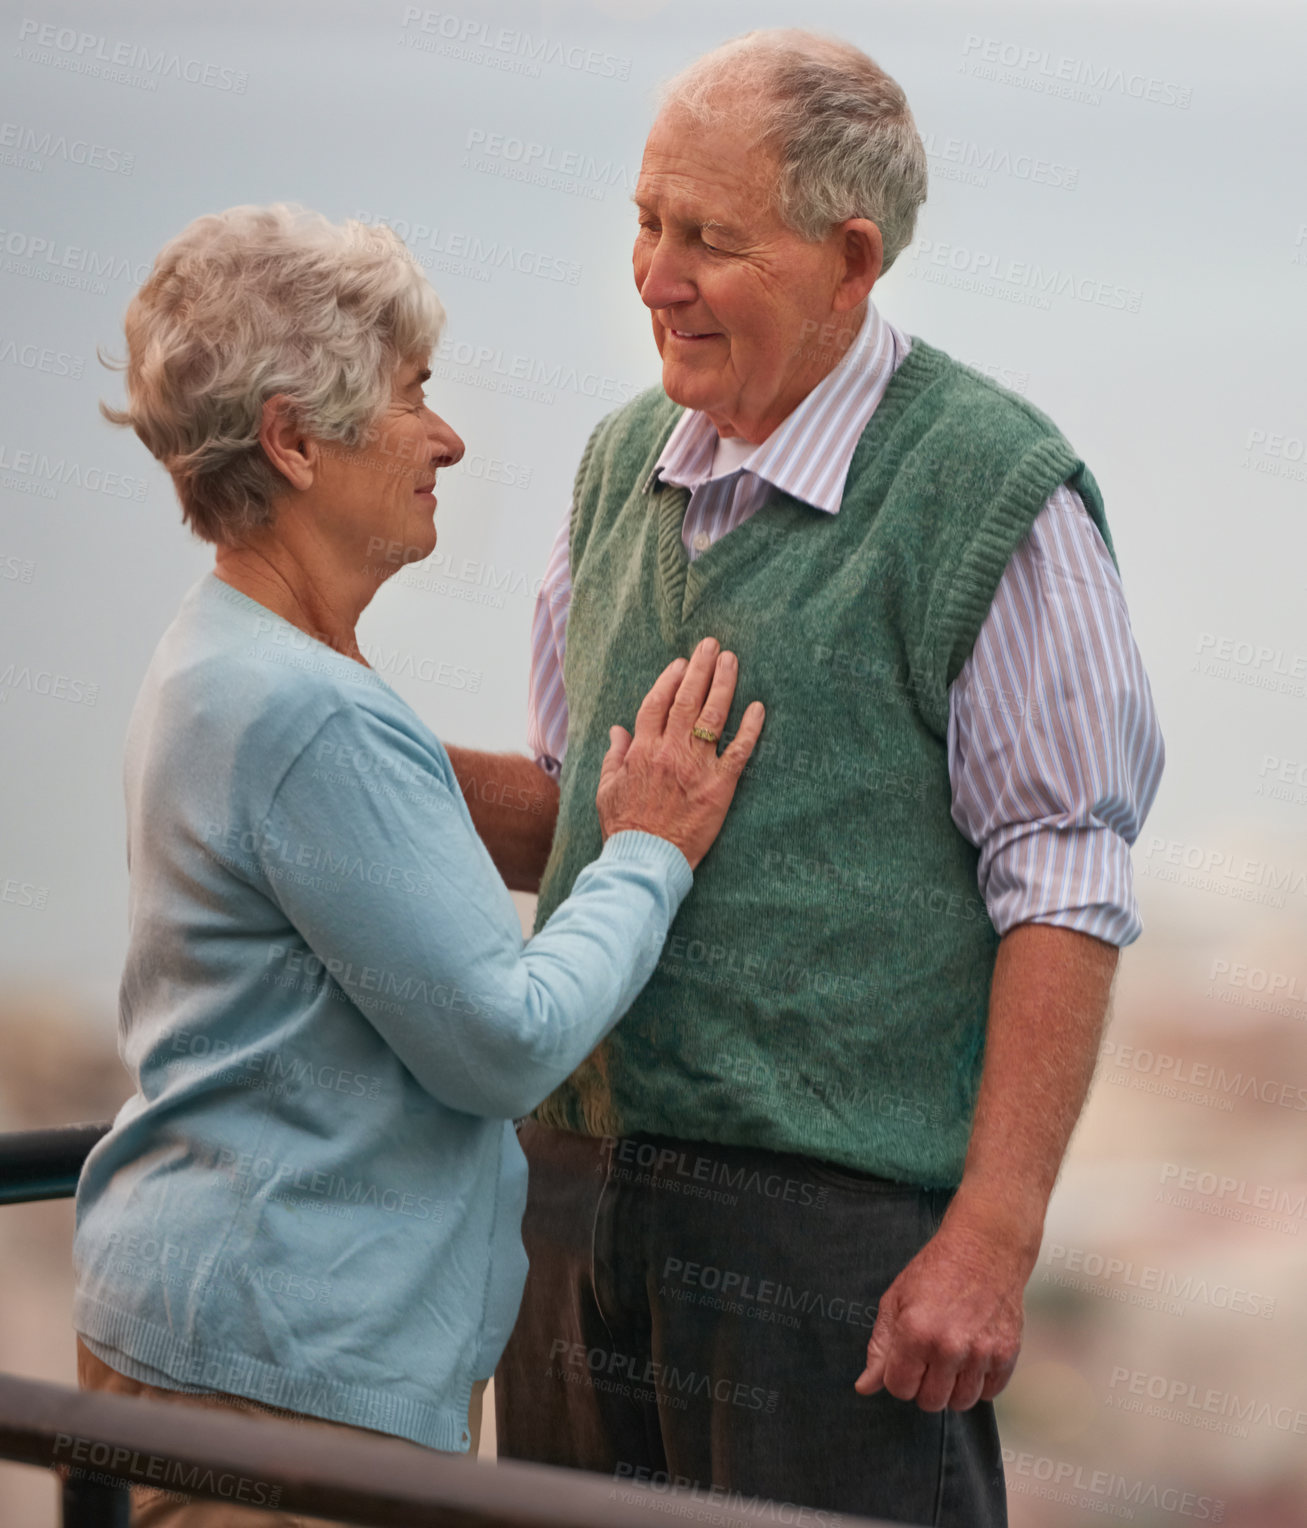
45, 1164
100, 1445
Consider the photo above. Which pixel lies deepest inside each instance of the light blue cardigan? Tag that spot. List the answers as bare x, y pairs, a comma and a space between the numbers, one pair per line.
314, 1198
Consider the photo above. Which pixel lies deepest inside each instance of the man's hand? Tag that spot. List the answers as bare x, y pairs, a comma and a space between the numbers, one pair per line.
948, 1330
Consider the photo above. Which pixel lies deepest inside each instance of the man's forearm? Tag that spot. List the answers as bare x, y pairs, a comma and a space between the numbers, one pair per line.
1048, 1001
514, 807
948, 1329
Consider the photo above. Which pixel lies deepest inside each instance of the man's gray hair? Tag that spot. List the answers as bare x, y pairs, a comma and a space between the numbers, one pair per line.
839, 125
254, 301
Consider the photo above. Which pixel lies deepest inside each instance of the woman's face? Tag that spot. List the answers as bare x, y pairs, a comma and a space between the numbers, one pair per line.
377, 498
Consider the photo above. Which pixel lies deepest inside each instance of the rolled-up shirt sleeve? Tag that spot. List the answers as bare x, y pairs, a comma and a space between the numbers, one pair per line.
546, 709
1055, 752
397, 897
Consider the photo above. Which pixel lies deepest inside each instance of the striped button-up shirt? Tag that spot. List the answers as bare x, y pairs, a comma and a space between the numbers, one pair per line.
1054, 751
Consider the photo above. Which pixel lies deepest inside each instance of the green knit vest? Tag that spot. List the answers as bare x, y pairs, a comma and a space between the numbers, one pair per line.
824, 988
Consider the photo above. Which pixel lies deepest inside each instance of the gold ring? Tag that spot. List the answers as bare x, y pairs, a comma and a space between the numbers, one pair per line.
705, 733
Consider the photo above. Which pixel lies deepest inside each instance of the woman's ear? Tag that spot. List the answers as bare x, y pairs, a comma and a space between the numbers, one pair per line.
288, 449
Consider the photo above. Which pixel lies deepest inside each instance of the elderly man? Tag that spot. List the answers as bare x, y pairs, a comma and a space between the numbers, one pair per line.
781, 1220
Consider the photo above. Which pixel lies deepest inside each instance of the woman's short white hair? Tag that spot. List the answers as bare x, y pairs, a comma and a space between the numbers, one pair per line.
839, 125
254, 301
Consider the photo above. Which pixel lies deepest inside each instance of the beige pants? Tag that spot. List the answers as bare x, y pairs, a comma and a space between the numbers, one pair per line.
153, 1508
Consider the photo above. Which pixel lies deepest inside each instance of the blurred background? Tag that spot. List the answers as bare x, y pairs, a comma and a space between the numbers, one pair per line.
1116, 228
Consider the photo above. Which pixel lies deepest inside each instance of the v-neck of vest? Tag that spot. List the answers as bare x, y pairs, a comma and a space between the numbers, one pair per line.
683, 583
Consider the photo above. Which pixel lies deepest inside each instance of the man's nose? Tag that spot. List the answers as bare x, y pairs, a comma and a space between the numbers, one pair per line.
665, 280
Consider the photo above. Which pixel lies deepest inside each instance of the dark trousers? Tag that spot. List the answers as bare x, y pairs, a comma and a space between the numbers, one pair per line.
699, 1312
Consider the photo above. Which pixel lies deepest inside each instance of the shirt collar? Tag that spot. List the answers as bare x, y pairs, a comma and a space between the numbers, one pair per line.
807, 455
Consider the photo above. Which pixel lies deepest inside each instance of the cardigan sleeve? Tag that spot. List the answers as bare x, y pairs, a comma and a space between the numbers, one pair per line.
395, 893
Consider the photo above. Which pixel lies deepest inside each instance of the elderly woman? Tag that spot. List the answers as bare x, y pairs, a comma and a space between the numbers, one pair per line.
312, 1202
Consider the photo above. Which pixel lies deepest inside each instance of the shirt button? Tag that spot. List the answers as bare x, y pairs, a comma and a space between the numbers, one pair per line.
702, 541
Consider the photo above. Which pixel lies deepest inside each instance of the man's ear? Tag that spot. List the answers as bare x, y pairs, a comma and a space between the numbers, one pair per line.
864, 254
288, 449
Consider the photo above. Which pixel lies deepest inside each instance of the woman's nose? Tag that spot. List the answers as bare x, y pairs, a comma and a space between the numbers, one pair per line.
447, 444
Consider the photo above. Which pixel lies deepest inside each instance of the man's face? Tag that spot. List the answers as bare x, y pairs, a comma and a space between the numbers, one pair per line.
736, 297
